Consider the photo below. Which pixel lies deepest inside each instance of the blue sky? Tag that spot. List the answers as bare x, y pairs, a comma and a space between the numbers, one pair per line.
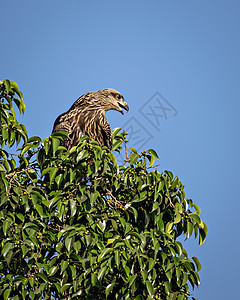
185, 51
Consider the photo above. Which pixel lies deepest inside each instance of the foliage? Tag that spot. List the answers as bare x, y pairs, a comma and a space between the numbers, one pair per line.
76, 225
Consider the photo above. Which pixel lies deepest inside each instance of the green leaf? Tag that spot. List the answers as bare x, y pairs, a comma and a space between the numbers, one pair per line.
109, 288
77, 246
4, 134
45, 171
39, 209
133, 150
24, 250
58, 180
53, 271
6, 294
6, 225
64, 265
202, 236
6, 248
116, 144
34, 139
42, 276
144, 275
69, 243
177, 219
31, 225
101, 272
16, 89
153, 152
198, 210
5, 183
178, 248
55, 144
151, 264
117, 258
73, 207
205, 228
93, 279
26, 148
104, 253
41, 157
7, 85
151, 161
53, 173
155, 206
115, 132
189, 229
102, 225
133, 158
132, 279
195, 218
81, 155
167, 287
169, 275
73, 271
185, 279
60, 134
73, 149
139, 297
197, 263
149, 288
110, 241
168, 228
65, 287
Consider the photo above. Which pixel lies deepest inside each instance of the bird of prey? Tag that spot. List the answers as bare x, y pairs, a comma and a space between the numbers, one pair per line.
87, 116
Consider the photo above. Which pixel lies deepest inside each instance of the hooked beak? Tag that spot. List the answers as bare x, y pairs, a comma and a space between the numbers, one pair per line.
124, 106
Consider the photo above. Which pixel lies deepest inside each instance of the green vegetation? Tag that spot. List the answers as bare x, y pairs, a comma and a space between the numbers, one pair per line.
76, 225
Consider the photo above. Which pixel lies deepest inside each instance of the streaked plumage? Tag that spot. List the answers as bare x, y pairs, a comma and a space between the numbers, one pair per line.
87, 115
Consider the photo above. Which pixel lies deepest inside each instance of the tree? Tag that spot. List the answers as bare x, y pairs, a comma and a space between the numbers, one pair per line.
76, 225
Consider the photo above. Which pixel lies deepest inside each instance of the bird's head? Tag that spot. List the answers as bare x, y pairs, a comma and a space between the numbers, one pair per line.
113, 100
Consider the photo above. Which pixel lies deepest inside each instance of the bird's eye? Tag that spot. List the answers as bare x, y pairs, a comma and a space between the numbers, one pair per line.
118, 96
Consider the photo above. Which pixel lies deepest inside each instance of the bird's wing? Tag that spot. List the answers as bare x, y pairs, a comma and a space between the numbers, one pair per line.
61, 123
68, 122
84, 119
95, 125
105, 132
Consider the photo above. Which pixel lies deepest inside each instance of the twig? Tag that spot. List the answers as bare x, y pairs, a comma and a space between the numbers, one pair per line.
127, 156
171, 204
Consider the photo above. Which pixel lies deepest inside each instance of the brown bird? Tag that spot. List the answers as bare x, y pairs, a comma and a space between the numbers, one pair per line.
87, 116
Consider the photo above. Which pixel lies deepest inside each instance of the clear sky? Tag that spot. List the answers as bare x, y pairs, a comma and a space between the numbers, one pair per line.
177, 64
